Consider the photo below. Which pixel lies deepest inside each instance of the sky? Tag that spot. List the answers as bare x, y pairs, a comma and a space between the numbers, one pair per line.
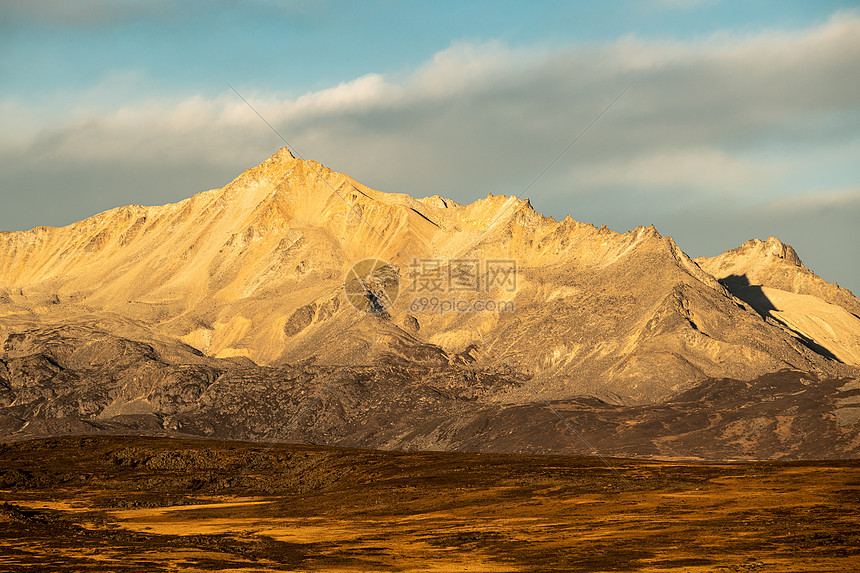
740, 119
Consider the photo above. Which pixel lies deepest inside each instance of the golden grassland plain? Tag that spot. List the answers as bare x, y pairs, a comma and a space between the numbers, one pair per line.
147, 504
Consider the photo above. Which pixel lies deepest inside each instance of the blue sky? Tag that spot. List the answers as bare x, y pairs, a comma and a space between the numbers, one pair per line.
743, 119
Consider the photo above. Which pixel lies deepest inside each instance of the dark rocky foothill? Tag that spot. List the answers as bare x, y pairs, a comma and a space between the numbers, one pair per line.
80, 380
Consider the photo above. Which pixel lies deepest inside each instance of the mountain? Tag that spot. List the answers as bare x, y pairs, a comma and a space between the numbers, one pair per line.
293, 272
83, 380
772, 279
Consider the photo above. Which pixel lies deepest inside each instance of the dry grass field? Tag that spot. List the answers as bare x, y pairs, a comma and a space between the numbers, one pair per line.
147, 504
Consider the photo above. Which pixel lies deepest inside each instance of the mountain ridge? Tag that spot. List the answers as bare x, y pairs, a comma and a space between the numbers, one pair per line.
255, 269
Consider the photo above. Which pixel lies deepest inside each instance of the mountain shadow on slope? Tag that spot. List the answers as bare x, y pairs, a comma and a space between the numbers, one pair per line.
754, 295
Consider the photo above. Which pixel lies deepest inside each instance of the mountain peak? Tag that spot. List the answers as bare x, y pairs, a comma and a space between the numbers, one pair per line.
772, 247
280, 159
283, 154
440, 202
781, 250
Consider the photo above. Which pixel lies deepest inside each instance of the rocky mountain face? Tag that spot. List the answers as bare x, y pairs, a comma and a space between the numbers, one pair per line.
240, 310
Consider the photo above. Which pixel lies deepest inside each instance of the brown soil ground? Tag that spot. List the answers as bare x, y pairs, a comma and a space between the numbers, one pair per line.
148, 504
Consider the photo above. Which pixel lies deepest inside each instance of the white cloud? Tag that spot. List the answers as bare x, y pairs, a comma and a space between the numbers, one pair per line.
358, 95
815, 201
704, 169
702, 96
